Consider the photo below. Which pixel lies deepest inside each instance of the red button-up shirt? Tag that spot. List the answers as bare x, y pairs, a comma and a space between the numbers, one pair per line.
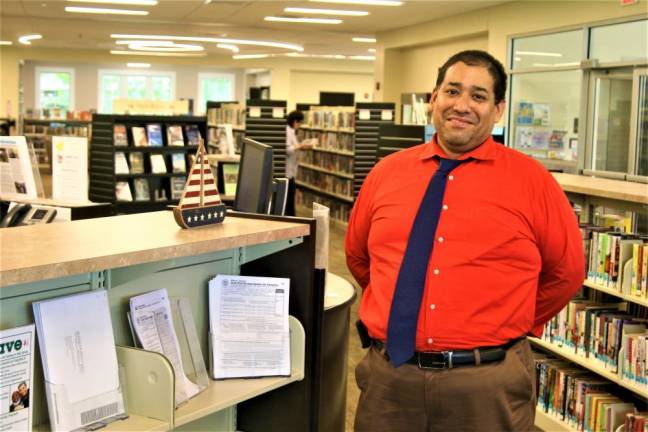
507, 257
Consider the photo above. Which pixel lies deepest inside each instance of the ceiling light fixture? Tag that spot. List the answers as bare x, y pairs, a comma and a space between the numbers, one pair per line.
250, 56
325, 11
304, 20
363, 2
138, 65
556, 64
76, 9
362, 57
539, 54
26, 40
212, 40
232, 48
159, 54
121, 2
372, 50
6, 42
364, 39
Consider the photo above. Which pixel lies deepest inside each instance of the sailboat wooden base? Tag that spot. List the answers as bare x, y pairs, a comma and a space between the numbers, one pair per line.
200, 203
199, 216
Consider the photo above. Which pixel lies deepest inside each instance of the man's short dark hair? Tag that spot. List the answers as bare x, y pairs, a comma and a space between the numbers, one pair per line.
478, 58
295, 116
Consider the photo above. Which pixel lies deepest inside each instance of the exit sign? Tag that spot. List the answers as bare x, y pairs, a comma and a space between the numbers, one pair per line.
628, 2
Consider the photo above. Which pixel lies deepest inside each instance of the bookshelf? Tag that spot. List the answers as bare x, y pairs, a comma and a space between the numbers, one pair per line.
265, 121
393, 137
39, 133
589, 192
325, 173
225, 113
153, 174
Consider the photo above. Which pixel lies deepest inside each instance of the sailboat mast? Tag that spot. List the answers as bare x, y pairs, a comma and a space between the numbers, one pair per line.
202, 172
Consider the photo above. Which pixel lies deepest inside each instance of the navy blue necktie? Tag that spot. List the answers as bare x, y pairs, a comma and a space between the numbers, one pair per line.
403, 315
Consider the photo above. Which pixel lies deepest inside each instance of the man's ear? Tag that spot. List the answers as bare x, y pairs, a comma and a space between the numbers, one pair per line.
500, 108
433, 99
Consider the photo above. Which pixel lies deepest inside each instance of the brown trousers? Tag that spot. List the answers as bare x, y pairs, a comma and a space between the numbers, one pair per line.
498, 396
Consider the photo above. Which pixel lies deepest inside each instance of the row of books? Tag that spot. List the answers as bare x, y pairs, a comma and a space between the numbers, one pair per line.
328, 161
616, 260
329, 140
338, 210
57, 113
604, 334
157, 163
58, 129
326, 182
582, 400
233, 114
214, 137
141, 186
151, 135
331, 118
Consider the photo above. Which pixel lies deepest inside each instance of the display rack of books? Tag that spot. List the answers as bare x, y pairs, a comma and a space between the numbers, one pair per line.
604, 329
369, 117
325, 173
39, 133
139, 163
219, 113
393, 137
265, 121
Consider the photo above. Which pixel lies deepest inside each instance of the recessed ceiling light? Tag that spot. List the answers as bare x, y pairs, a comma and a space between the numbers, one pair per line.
304, 20
26, 40
6, 42
325, 11
250, 56
158, 54
539, 54
161, 46
212, 40
76, 9
556, 64
372, 50
138, 65
121, 2
363, 2
362, 57
232, 48
364, 39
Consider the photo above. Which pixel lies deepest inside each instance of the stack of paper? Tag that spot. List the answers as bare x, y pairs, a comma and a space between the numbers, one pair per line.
153, 324
79, 360
248, 318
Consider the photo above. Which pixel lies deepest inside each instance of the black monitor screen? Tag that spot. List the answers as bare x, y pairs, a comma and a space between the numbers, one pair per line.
254, 185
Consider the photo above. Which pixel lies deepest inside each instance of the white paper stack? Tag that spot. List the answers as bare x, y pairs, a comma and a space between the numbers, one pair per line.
248, 319
79, 360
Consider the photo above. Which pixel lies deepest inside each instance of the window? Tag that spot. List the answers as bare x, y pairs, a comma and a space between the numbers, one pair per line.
620, 42
139, 85
217, 87
55, 88
551, 50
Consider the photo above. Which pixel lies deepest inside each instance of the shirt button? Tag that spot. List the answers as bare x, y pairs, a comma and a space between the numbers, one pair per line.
450, 177
432, 306
429, 341
435, 271
445, 207
440, 239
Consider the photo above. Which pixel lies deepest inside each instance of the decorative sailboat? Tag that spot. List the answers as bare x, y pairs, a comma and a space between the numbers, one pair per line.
200, 203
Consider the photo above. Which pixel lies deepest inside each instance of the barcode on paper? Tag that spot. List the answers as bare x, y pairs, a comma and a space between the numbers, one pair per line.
96, 414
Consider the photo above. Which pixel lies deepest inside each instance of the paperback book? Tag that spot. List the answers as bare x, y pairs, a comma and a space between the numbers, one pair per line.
193, 135
158, 166
121, 166
139, 136
178, 163
123, 192
154, 135
142, 190
120, 137
136, 163
177, 185
174, 136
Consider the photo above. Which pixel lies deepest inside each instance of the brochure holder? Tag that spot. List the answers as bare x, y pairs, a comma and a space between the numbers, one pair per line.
40, 191
93, 413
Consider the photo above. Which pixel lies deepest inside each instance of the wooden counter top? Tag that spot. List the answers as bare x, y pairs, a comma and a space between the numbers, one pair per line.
602, 187
33, 253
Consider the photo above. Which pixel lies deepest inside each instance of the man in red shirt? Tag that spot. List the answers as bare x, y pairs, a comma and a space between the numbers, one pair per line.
504, 256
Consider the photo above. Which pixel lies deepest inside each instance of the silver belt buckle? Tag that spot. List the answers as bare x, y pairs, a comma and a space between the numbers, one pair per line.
438, 365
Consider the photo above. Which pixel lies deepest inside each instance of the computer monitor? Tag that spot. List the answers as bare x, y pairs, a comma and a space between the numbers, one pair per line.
254, 185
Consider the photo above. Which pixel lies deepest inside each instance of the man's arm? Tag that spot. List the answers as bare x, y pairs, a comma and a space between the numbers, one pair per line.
561, 248
355, 245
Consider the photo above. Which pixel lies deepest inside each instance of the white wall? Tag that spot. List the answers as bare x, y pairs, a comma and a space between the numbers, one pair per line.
305, 86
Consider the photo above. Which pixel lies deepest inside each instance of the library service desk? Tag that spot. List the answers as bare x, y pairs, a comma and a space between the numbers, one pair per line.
132, 254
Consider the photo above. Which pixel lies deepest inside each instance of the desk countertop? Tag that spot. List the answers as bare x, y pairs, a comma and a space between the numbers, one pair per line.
38, 252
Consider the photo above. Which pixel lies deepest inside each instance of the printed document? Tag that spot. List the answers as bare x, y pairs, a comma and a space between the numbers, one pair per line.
16, 378
79, 360
249, 326
153, 323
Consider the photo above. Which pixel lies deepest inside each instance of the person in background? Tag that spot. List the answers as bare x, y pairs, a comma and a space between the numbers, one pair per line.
293, 146
463, 247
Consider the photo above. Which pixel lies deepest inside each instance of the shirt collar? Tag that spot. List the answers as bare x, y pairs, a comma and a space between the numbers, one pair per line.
485, 151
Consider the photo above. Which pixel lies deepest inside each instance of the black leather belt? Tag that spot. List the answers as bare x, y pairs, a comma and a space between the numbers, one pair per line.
455, 358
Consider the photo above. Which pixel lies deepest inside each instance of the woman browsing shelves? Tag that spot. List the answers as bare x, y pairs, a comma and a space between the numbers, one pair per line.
293, 146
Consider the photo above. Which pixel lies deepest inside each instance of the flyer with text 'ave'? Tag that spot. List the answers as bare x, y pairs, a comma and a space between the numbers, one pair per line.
16, 377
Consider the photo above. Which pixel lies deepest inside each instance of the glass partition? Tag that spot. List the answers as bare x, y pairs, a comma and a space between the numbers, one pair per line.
562, 49
621, 42
642, 123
